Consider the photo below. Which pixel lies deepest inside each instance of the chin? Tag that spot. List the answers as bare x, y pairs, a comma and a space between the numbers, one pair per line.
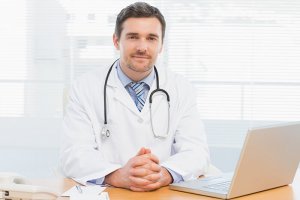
142, 67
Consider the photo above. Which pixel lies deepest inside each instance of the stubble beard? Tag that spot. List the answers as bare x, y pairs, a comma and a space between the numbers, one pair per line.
144, 69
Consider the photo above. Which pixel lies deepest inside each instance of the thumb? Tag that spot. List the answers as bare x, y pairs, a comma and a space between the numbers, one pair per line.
142, 151
147, 151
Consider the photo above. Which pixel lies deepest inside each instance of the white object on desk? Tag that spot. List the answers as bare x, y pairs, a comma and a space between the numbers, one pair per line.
82, 196
91, 190
14, 186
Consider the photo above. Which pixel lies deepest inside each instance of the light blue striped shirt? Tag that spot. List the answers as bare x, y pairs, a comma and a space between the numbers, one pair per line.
125, 80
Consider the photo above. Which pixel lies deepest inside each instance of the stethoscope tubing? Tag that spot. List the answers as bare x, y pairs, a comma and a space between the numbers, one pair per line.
104, 98
105, 131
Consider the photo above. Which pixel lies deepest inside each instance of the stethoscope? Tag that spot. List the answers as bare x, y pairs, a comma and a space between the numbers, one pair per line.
105, 133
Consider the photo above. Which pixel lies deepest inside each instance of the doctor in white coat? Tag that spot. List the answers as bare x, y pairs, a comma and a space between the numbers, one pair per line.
146, 148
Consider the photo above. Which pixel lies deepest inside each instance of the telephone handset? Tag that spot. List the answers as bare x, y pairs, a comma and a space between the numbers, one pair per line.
16, 187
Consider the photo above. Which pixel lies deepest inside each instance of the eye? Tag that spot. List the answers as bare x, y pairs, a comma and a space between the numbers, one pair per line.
132, 37
152, 38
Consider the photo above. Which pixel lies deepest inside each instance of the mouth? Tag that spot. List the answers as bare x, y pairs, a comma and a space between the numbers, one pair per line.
141, 57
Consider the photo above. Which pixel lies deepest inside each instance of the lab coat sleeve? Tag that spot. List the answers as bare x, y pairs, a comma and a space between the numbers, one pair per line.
79, 157
190, 157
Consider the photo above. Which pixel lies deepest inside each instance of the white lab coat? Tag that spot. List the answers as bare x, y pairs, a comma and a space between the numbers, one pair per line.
86, 156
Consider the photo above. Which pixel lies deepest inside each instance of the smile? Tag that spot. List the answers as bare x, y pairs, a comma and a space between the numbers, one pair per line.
141, 57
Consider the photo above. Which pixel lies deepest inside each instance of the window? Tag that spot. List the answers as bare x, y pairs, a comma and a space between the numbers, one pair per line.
241, 56
13, 59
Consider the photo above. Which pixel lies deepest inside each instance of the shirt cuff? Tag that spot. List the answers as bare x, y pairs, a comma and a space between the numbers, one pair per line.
98, 181
176, 177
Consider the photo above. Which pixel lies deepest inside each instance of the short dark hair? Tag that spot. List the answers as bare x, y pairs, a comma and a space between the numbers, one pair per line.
139, 10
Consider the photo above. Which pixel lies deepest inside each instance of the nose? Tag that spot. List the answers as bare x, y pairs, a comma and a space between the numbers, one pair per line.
142, 46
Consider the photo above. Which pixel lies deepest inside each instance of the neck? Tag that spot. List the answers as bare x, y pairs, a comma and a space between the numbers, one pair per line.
139, 77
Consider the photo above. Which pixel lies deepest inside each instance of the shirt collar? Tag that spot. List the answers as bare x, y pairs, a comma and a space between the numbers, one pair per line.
125, 80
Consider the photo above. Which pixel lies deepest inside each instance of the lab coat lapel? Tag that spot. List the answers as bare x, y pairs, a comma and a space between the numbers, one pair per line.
119, 92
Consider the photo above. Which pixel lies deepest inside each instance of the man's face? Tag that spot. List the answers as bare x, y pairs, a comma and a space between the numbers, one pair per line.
140, 43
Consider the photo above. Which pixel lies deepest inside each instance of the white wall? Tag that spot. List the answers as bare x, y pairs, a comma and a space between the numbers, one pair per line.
242, 56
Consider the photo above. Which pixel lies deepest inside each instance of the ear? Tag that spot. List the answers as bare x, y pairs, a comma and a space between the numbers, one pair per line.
116, 41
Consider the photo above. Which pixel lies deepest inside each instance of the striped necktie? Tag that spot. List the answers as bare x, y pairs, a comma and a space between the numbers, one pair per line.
139, 90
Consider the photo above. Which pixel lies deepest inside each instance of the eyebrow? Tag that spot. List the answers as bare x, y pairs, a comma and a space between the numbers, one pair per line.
131, 34
134, 34
153, 35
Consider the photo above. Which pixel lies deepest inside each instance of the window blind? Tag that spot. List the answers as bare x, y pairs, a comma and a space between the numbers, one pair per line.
241, 56
13, 58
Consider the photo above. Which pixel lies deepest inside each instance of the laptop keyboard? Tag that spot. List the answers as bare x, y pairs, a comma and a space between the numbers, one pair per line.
222, 186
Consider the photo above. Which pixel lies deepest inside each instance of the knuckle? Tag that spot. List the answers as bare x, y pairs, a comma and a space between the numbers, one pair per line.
152, 177
131, 178
145, 182
151, 166
156, 167
153, 186
131, 171
145, 172
157, 176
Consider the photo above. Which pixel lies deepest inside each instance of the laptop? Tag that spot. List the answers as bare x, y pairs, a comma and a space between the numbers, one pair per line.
269, 159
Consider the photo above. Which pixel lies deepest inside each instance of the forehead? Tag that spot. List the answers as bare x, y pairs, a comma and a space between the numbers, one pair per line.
143, 26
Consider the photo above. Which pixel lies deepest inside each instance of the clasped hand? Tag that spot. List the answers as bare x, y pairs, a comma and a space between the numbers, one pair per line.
141, 173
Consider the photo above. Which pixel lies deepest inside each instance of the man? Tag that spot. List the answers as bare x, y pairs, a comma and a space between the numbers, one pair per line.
146, 148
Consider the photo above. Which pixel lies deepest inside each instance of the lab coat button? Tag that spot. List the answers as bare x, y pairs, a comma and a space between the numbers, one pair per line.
140, 120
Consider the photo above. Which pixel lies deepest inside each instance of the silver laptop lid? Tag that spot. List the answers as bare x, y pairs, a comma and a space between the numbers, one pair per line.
269, 159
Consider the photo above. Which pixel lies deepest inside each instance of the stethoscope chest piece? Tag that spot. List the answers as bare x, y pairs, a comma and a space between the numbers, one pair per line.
105, 133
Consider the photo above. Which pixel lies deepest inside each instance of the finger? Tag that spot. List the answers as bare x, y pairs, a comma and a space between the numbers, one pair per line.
152, 186
140, 172
154, 177
137, 189
145, 170
141, 151
139, 161
155, 168
148, 187
151, 166
147, 150
139, 182
151, 157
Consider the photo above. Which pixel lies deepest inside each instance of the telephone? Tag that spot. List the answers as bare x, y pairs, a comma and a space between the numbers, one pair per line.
16, 187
